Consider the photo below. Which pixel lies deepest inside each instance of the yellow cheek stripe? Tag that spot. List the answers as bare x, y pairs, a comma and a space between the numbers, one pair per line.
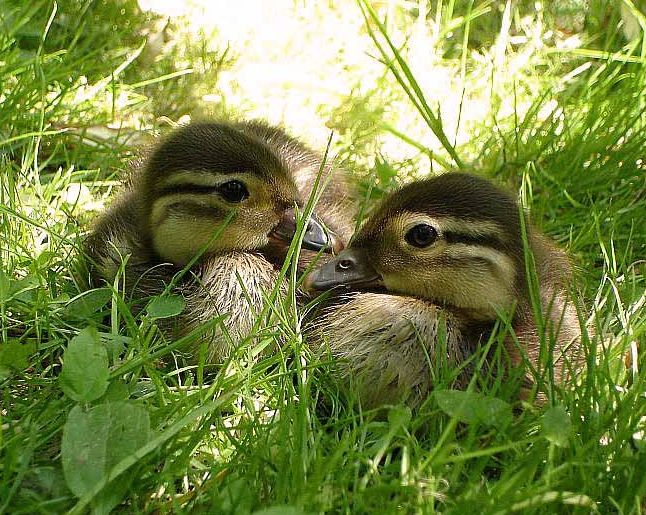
178, 240
402, 222
161, 205
502, 262
475, 286
193, 177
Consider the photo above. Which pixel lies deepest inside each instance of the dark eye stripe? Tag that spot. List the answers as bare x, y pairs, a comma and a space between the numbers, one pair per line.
470, 239
474, 263
464, 261
197, 189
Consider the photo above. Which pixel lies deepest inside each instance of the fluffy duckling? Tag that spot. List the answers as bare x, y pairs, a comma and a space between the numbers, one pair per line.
448, 251
179, 199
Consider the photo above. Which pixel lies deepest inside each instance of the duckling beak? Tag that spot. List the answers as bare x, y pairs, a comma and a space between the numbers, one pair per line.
317, 236
350, 268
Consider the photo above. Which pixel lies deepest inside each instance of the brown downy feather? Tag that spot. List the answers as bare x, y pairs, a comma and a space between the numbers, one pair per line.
562, 332
390, 347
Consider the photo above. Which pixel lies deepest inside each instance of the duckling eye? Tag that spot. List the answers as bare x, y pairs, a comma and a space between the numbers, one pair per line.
421, 235
233, 191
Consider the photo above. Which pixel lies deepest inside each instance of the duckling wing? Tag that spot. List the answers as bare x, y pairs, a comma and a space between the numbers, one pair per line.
116, 240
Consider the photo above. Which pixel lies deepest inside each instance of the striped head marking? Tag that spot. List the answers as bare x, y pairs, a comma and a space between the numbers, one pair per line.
198, 176
454, 239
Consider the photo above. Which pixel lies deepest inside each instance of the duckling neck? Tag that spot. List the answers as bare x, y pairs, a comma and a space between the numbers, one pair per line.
233, 285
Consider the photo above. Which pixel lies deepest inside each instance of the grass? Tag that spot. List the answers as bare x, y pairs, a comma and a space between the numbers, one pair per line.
504, 89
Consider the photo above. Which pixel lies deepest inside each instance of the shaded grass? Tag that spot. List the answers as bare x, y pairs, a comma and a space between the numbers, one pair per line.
277, 430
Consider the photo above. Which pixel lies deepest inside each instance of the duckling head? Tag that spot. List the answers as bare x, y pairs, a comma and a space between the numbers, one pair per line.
454, 239
203, 172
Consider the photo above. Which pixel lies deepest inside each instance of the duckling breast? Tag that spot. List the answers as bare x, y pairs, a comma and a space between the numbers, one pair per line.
391, 348
234, 285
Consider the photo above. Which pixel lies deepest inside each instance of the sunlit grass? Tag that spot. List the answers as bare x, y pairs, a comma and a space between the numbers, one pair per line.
538, 99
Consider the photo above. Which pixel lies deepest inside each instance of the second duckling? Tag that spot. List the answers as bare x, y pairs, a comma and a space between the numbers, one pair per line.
449, 253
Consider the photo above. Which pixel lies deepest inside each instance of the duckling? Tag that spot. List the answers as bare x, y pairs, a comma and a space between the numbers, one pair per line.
431, 269
179, 199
